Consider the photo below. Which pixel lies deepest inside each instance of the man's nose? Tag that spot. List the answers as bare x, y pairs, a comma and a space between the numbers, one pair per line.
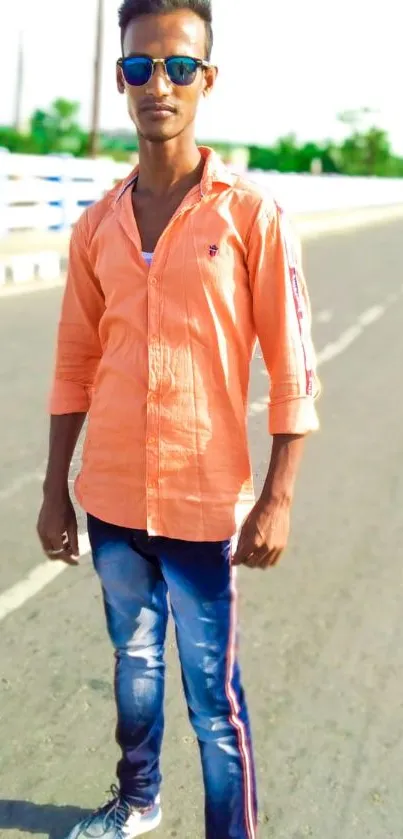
160, 83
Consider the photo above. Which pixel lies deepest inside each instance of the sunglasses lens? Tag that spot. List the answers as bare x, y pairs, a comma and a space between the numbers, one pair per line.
181, 70
137, 70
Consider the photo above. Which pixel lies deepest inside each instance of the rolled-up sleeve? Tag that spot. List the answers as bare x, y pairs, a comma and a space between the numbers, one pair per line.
282, 315
78, 346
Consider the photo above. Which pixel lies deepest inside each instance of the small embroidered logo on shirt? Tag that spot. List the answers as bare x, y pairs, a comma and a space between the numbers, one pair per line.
213, 250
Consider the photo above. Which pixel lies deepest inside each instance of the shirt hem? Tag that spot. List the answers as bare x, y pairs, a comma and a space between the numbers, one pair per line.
213, 534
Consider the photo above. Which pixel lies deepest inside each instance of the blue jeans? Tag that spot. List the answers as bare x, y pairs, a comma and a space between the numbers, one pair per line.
137, 574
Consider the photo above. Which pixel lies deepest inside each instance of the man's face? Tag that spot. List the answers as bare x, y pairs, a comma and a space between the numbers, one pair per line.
160, 36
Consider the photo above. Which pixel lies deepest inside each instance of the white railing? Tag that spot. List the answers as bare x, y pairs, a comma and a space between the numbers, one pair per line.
50, 192
324, 193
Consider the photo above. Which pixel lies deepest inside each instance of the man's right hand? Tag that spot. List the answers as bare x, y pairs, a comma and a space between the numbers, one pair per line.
57, 528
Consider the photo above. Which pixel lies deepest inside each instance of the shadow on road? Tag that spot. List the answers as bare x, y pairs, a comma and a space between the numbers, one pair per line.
53, 821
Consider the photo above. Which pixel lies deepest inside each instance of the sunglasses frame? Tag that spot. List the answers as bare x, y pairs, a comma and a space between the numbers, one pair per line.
155, 62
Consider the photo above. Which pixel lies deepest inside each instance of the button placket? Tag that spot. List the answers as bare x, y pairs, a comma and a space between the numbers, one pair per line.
155, 367
154, 380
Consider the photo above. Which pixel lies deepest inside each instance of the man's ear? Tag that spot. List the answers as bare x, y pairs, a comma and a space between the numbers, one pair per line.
210, 76
120, 82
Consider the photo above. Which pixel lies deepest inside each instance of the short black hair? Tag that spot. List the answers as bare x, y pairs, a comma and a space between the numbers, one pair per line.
131, 9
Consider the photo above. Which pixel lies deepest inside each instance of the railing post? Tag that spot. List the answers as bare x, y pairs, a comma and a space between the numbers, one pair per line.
68, 203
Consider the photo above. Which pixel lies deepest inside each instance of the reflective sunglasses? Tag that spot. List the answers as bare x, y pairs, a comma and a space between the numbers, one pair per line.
180, 69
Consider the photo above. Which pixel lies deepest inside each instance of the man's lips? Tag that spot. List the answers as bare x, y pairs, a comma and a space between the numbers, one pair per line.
157, 108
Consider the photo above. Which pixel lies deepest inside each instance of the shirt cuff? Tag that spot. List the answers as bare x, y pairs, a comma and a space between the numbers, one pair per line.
69, 398
295, 416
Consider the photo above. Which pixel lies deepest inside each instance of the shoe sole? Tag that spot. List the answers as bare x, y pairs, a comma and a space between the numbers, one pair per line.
147, 828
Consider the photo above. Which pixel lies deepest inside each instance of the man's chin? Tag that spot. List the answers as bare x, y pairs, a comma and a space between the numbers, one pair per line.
158, 135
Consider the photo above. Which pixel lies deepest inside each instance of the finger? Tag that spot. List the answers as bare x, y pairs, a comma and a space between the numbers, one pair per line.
62, 555
44, 539
254, 564
242, 555
259, 558
68, 559
69, 555
66, 544
57, 548
72, 537
51, 543
270, 560
276, 557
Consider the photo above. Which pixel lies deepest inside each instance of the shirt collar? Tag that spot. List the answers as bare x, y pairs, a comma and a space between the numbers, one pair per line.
215, 172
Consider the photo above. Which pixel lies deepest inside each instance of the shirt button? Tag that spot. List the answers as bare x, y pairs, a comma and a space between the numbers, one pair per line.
152, 484
152, 441
153, 281
154, 339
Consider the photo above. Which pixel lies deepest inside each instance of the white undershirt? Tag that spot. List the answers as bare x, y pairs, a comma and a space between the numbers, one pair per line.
148, 257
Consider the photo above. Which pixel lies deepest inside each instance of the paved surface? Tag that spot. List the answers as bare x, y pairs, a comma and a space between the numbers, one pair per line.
322, 644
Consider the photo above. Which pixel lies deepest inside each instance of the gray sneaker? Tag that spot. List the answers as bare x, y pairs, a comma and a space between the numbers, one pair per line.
118, 820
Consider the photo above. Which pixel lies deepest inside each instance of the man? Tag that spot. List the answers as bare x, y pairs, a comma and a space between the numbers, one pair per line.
172, 277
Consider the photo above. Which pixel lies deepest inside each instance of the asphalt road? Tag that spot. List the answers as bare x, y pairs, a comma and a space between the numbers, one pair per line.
322, 636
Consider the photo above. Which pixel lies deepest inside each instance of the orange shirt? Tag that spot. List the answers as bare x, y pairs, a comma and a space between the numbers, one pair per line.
160, 356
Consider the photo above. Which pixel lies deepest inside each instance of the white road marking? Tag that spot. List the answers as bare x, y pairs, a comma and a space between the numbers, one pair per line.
337, 347
372, 315
348, 337
35, 581
46, 572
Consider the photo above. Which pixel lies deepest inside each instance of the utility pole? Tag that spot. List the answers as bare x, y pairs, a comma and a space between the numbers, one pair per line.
19, 85
96, 100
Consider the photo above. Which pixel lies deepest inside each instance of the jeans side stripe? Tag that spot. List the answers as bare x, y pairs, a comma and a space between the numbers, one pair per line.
235, 719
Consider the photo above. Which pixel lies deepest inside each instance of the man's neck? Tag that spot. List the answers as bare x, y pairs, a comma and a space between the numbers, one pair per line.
165, 167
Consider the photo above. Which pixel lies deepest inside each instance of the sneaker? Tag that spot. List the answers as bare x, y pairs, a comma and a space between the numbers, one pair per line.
118, 820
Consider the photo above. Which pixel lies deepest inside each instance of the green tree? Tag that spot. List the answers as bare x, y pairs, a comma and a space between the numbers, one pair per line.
367, 149
287, 152
367, 153
262, 158
10, 139
57, 130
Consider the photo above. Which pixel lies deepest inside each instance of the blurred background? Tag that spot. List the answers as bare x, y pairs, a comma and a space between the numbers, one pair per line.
299, 82
309, 103
303, 89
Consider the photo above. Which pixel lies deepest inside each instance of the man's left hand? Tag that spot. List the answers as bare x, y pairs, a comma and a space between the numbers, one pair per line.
264, 536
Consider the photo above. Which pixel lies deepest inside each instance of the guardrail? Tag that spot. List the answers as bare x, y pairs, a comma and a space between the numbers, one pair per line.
50, 192
302, 194
42, 193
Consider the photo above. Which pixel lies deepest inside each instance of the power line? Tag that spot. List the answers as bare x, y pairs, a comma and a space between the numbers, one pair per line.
96, 100
19, 85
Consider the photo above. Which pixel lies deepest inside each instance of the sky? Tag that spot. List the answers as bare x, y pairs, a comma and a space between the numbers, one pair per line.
289, 66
